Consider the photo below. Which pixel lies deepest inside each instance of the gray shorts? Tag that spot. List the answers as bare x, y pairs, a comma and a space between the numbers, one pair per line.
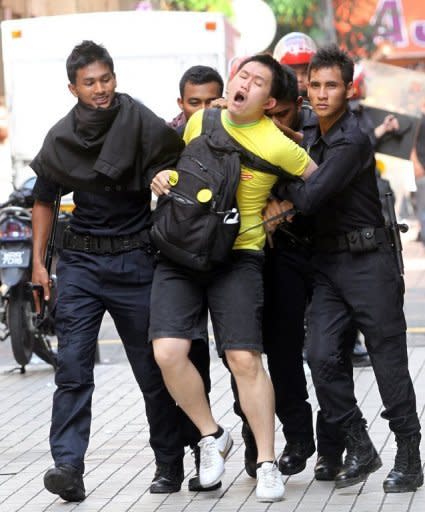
233, 295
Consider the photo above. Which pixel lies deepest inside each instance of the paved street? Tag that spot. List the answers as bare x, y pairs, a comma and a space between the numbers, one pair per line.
120, 463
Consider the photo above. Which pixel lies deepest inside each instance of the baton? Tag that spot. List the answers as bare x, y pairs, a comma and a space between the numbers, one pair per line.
395, 230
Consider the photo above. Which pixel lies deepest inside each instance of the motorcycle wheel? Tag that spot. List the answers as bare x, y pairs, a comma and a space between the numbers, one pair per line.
19, 313
44, 351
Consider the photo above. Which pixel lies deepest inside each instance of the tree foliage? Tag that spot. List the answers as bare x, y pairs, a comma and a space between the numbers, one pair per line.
224, 6
353, 27
287, 11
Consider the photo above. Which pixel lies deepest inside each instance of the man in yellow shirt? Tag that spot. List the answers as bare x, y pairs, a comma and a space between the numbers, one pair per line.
180, 295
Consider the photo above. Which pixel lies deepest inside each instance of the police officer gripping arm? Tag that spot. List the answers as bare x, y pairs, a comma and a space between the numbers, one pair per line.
355, 279
105, 150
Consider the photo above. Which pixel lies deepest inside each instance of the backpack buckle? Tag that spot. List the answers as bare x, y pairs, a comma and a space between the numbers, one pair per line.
231, 216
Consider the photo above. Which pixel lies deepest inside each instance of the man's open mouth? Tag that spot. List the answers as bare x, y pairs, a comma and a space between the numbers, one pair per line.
239, 97
101, 100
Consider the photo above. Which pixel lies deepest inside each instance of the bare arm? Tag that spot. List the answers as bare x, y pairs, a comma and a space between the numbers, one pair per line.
273, 208
389, 124
418, 167
161, 182
42, 219
292, 134
311, 167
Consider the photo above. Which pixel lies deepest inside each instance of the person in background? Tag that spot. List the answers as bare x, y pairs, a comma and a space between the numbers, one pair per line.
418, 159
296, 50
375, 133
199, 87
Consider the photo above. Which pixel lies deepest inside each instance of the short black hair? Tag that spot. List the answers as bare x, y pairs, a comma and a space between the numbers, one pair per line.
330, 56
200, 75
292, 92
84, 54
279, 77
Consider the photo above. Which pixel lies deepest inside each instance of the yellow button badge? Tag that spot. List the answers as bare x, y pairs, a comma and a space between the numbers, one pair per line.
204, 195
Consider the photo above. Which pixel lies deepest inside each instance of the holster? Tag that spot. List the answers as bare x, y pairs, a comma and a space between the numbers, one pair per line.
359, 241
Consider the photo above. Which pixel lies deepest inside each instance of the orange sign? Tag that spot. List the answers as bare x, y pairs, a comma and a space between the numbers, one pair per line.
402, 22
362, 25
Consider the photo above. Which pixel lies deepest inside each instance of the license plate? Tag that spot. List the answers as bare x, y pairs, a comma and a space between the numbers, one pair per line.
14, 258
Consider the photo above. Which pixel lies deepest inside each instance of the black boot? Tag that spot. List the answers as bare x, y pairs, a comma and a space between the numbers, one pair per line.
168, 478
327, 467
294, 457
250, 450
407, 474
194, 484
66, 481
361, 458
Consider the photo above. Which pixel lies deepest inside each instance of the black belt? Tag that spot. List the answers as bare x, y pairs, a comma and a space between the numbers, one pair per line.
105, 244
344, 242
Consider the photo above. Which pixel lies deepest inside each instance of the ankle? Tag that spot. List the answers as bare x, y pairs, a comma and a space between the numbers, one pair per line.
218, 433
259, 464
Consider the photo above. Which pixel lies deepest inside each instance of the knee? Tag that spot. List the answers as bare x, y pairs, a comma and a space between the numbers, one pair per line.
74, 369
319, 353
244, 363
325, 369
167, 355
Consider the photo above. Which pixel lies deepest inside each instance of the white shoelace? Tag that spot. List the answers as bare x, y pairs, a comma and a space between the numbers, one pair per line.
209, 452
269, 476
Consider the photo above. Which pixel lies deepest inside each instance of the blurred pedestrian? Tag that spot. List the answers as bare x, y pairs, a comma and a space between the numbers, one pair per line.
418, 159
296, 50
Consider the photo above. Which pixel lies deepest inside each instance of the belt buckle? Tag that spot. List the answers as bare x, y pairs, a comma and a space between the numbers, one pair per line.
126, 244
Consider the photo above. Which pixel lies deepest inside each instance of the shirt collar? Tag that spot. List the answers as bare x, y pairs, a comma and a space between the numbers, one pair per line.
336, 128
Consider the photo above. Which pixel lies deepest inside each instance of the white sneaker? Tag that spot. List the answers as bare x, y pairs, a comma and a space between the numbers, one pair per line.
213, 453
269, 483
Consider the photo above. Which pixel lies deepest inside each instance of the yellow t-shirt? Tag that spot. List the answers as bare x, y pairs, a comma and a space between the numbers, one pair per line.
266, 141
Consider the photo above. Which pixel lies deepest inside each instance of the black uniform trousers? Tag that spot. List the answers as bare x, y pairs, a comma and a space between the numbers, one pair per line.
89, 285
287, 291
364, 288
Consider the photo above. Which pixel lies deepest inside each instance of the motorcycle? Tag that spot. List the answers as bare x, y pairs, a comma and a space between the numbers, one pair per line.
18, 318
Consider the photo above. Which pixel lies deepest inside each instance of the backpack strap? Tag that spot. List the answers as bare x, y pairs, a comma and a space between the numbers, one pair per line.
211, 121
253, 161
211, 124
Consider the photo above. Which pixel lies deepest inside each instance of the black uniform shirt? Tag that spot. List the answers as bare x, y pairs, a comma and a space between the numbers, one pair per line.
342, 192
121, 146
104, 213
366, 123
302, 226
